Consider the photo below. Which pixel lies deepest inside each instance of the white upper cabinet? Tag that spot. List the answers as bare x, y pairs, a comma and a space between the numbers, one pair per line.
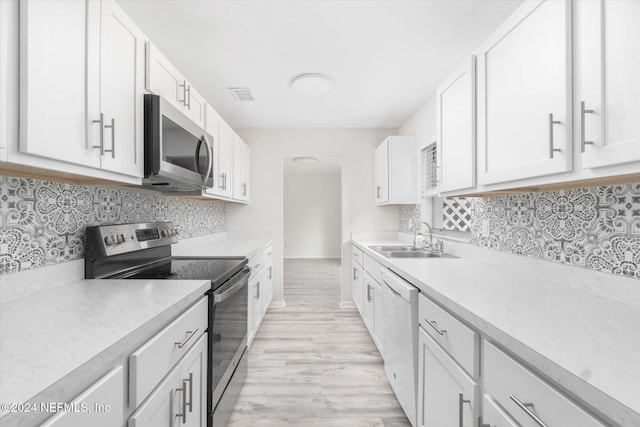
241, 168
395, 171
524, 92
121, 92
81, 84
164, 79
220, 135
607, 49
457, 129
53, 66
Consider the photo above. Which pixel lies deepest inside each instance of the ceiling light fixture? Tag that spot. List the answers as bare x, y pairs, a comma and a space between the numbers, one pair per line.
311, 84
307, 160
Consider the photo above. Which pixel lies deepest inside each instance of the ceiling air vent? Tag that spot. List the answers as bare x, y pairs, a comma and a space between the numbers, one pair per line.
241, 93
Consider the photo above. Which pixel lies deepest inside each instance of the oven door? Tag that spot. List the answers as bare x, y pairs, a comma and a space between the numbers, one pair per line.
227, 332
177, 151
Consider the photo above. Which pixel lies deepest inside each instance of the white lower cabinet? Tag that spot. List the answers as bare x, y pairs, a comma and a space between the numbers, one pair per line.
180, 398
356, 286
447, 396
525, 396
267, 278
260, 289
103, 401
494, 416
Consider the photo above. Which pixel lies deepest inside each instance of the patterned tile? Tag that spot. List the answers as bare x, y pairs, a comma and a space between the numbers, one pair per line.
43, 222
597, 228
409, 215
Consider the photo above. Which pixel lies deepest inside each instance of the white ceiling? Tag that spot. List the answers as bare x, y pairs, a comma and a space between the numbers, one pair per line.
386, 57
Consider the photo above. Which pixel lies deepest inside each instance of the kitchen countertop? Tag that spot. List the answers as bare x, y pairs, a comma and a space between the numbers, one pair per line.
74, 332
55, 342
588, 344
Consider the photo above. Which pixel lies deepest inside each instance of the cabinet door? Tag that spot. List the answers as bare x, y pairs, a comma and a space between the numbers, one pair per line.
382, 172
524, 93
121, 91
456, 120
494, 416
267, 278
53, 86
447, 396
356, 286
607, 68
194, 104
241, 156
369, 305
193, 374
225, 159
163, 79
104, 402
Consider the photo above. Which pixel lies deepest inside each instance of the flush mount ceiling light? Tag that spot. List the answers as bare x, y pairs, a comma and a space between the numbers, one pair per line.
311, 84
307, 160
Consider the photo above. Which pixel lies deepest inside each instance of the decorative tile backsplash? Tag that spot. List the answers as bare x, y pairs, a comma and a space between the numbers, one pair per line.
409, 215
597, 228
43, 222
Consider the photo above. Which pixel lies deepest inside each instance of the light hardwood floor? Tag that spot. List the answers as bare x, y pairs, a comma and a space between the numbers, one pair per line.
313, 363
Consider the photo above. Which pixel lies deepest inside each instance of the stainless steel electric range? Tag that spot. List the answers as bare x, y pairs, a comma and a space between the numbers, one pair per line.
143, 251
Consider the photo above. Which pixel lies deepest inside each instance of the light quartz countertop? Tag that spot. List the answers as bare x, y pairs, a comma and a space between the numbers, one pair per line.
587, 344
54, 342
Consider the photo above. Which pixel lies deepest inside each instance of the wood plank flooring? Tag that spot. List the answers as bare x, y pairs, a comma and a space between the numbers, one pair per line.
313, 363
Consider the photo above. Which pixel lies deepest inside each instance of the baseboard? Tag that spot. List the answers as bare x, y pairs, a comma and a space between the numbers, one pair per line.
277, 304
347, 304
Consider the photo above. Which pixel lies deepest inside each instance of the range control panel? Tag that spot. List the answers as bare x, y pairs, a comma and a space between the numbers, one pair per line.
123, 238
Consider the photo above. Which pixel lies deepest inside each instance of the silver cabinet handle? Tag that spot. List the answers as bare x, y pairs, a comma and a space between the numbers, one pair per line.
378, 188
244, 189
583, 111
223, 178
355, 275
461, 402
183, 415
270, 272
101, 122
525, 407
255, 267
258, 290
432, 323
112, 126
188, 337
190, 381
184, 93
551, 123
187, 100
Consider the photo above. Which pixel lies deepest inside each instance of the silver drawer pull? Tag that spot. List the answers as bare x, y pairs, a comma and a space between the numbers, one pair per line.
190, 381
551, 123
525, 407
432, 323
184, 341
461, 402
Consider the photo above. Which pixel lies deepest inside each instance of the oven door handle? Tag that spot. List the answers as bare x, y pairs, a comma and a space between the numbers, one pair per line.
240, 282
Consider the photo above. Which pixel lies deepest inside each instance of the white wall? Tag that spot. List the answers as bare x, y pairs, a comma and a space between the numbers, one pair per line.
265, 212
422, 124
312, 215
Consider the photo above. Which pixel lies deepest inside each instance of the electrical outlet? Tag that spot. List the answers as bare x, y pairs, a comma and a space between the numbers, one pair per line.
485, 228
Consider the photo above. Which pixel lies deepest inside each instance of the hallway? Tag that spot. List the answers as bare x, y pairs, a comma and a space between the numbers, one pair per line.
313, 363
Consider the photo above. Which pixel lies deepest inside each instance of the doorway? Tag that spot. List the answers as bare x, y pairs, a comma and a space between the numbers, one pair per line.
312, 213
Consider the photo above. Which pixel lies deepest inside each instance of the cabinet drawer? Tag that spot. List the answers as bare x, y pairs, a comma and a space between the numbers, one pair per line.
373, 267
457, 339
358, 255
255, 262
494, 416
151, 362
104, 400
507, 382
267, 253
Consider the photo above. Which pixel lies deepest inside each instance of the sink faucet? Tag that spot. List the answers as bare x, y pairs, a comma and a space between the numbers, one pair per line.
438, 247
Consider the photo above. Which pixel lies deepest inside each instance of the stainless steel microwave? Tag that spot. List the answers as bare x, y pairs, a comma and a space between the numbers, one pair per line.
178, 156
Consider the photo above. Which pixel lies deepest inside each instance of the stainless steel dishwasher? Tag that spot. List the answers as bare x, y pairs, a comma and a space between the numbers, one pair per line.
400, 310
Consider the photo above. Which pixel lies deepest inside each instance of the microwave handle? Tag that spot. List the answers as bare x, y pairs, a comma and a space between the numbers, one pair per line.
197, 158
210, 154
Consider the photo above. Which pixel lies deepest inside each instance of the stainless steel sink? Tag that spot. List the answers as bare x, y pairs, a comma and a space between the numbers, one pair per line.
408, 252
